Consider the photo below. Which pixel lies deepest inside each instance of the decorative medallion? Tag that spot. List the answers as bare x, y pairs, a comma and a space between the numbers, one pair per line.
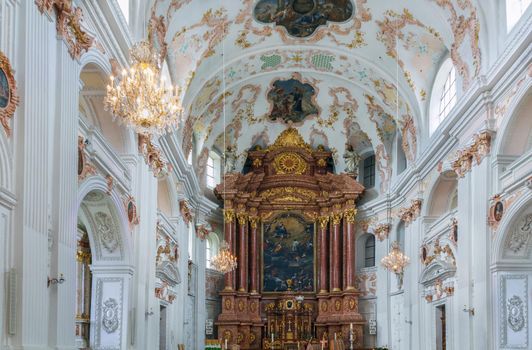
228, 335
253, 307
291, 100
337, 305
110, 321
324, 306
516, 318
252, 337
301, 18
131, 209
241, 305
8, 93
498, 210
290, 163
228, 304
85, 168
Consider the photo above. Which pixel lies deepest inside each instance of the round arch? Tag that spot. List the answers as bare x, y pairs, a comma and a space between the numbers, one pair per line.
522, 96
440, 194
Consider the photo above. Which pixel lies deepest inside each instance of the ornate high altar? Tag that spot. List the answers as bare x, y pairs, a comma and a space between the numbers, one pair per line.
291, 223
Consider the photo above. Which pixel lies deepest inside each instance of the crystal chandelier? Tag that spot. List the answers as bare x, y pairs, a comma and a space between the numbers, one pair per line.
140, 98
396, 262
224, 261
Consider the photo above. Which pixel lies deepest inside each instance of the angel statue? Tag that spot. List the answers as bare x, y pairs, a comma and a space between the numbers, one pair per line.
351, 160
230, 158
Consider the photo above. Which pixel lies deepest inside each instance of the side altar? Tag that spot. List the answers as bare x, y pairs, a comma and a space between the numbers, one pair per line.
291, 223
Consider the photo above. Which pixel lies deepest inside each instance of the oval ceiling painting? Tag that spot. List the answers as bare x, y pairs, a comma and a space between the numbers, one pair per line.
302, 17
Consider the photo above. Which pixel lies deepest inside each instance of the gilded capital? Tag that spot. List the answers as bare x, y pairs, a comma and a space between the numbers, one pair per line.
254, 221
336, 218
323, 220
349, 215
242, 218
229, 215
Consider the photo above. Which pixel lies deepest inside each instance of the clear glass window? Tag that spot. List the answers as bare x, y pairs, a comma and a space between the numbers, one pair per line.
369, 172
448, 95
514, 10
370, 252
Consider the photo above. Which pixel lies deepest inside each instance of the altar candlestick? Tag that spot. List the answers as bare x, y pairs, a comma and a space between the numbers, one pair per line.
225, 343
335, 336
351, 326
272, 339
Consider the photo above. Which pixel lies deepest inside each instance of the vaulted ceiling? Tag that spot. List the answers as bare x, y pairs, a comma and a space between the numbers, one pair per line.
356, 68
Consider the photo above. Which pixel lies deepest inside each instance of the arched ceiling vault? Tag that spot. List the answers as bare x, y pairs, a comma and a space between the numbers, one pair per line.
355, 66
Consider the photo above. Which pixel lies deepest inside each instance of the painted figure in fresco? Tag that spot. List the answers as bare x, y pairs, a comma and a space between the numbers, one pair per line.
280, 231
301, 18
351, 160
291, 100
230, 159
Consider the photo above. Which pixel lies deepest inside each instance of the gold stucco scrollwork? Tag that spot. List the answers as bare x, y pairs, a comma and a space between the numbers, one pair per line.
290, 138
349, 215
290, 163
229, 215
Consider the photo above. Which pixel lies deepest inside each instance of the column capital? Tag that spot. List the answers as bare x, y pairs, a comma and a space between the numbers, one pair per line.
242, 218
336, 218
323, 220
349, 215
229, 215
254, 221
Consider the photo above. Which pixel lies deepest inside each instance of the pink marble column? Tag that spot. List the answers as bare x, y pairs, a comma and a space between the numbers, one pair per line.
336, 219
322, 248
254, 285
349, 218
230, 228
243, 254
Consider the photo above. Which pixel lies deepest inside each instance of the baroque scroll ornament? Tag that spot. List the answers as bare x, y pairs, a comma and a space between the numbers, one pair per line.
516, 317
8, 93
110, 320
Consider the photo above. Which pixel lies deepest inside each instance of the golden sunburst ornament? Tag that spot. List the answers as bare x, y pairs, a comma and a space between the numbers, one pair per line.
290, 163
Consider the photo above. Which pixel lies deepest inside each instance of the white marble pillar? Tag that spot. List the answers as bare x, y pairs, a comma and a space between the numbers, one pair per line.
201, 308
480, 249
64, 195
383, 289
461, 321
144, 235
36, 79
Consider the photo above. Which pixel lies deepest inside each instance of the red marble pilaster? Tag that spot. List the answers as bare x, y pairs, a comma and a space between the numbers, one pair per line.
322, 248
243, 263
336, 219
349, 243
230, 229
254, 283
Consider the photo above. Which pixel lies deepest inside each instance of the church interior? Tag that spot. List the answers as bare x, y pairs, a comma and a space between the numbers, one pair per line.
265, 174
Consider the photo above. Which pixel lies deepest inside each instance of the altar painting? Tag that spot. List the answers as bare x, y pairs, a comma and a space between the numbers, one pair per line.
288, 254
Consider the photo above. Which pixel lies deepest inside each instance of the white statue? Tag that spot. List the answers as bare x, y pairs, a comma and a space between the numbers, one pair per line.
230, 159
351, 160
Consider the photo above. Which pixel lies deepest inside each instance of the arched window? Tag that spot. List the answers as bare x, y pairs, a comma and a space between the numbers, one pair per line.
368, 171
369, 251
208, 251
443, 97
213, 170
514, 10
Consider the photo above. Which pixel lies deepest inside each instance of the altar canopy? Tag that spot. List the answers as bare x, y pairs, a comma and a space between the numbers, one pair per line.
291, 223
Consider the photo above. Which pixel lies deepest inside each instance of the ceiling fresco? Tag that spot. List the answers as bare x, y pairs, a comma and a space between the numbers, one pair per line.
302, 17
291, 100
366, 69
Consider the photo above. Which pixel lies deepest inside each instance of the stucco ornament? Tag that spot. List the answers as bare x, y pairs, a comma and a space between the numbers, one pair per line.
104, 226
516, 318
520, 235
110, 320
